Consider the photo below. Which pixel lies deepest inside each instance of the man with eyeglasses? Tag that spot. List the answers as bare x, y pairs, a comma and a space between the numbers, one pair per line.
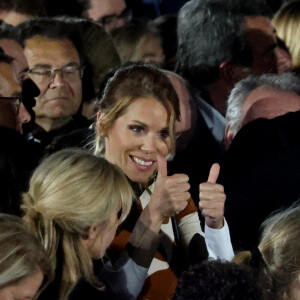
110, 14
10, 45
15, 156
12, 112
55, 64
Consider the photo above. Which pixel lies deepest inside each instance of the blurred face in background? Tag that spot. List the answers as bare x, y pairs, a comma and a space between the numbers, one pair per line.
261, 37
151, 51
14, 18
25, 289
110, 14
13, 49
12, 112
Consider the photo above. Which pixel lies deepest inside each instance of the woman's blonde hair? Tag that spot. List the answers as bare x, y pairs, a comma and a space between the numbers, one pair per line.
287, 24
129, 83
21, 253
280, 249
68, 192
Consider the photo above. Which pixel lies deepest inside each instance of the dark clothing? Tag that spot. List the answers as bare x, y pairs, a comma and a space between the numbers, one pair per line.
197, 158
261, 174
83, 138
151, 9
114, 285
16, 164
44, 141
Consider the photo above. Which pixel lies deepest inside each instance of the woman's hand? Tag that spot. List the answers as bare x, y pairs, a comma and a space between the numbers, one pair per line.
170, 195
212, 199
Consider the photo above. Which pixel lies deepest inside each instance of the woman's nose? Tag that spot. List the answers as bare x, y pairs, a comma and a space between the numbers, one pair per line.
149, 144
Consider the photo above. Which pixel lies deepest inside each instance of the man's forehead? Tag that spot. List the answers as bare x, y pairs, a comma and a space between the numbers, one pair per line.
271, 107
43, 50
260, 34
267, 94
259, 23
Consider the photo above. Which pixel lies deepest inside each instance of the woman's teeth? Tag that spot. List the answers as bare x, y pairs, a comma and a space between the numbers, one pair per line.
142, 162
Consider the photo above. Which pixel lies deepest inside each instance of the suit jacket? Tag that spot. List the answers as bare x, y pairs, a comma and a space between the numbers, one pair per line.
16, 164
261, 174
197, 158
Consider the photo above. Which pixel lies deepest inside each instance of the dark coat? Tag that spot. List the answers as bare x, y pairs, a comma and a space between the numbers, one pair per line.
261, 174
16, 164
197, 158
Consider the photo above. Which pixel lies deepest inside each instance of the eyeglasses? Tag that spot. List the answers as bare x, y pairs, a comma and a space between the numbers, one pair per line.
15, 100
45, 75
112, 20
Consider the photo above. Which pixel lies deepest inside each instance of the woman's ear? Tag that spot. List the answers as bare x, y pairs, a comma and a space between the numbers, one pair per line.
231, 72
92, 232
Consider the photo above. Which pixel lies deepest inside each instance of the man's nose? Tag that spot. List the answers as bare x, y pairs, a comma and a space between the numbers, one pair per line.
58, 78
23, 115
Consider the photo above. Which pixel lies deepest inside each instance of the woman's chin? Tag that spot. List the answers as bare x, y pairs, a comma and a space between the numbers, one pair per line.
139, 178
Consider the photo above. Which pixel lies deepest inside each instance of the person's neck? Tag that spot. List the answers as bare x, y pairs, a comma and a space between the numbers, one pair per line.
216, 94
51, 124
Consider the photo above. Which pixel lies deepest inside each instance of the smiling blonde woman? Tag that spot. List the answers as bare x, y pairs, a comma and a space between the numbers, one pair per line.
136, 131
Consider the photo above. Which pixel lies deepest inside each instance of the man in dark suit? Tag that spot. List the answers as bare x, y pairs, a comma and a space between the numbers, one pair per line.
16, 159
261, 174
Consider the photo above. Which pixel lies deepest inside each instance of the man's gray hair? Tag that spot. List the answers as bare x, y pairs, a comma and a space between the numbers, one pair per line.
287, 82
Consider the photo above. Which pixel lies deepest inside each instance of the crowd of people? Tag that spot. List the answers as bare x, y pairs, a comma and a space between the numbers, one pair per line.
149, 150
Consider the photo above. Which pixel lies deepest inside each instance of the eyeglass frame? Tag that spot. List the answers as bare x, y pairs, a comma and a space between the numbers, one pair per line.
55, 71
14, 99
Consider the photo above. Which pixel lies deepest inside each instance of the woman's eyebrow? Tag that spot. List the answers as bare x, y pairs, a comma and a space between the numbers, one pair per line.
140, 123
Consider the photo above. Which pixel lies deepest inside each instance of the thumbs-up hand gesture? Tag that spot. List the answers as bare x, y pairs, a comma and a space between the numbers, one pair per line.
212, 199
171, 194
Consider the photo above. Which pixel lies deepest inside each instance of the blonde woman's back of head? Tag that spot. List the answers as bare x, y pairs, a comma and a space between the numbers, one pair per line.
22, 254
68, 192
279, 248
287, 24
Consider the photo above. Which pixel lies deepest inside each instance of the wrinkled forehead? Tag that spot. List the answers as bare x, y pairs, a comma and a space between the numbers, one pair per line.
55, 53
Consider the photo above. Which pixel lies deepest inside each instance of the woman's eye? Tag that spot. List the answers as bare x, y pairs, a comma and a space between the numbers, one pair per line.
136, 128
164, 134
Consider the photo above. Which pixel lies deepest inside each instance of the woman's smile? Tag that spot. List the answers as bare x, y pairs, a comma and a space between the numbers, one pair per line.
142, 163
137, 136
